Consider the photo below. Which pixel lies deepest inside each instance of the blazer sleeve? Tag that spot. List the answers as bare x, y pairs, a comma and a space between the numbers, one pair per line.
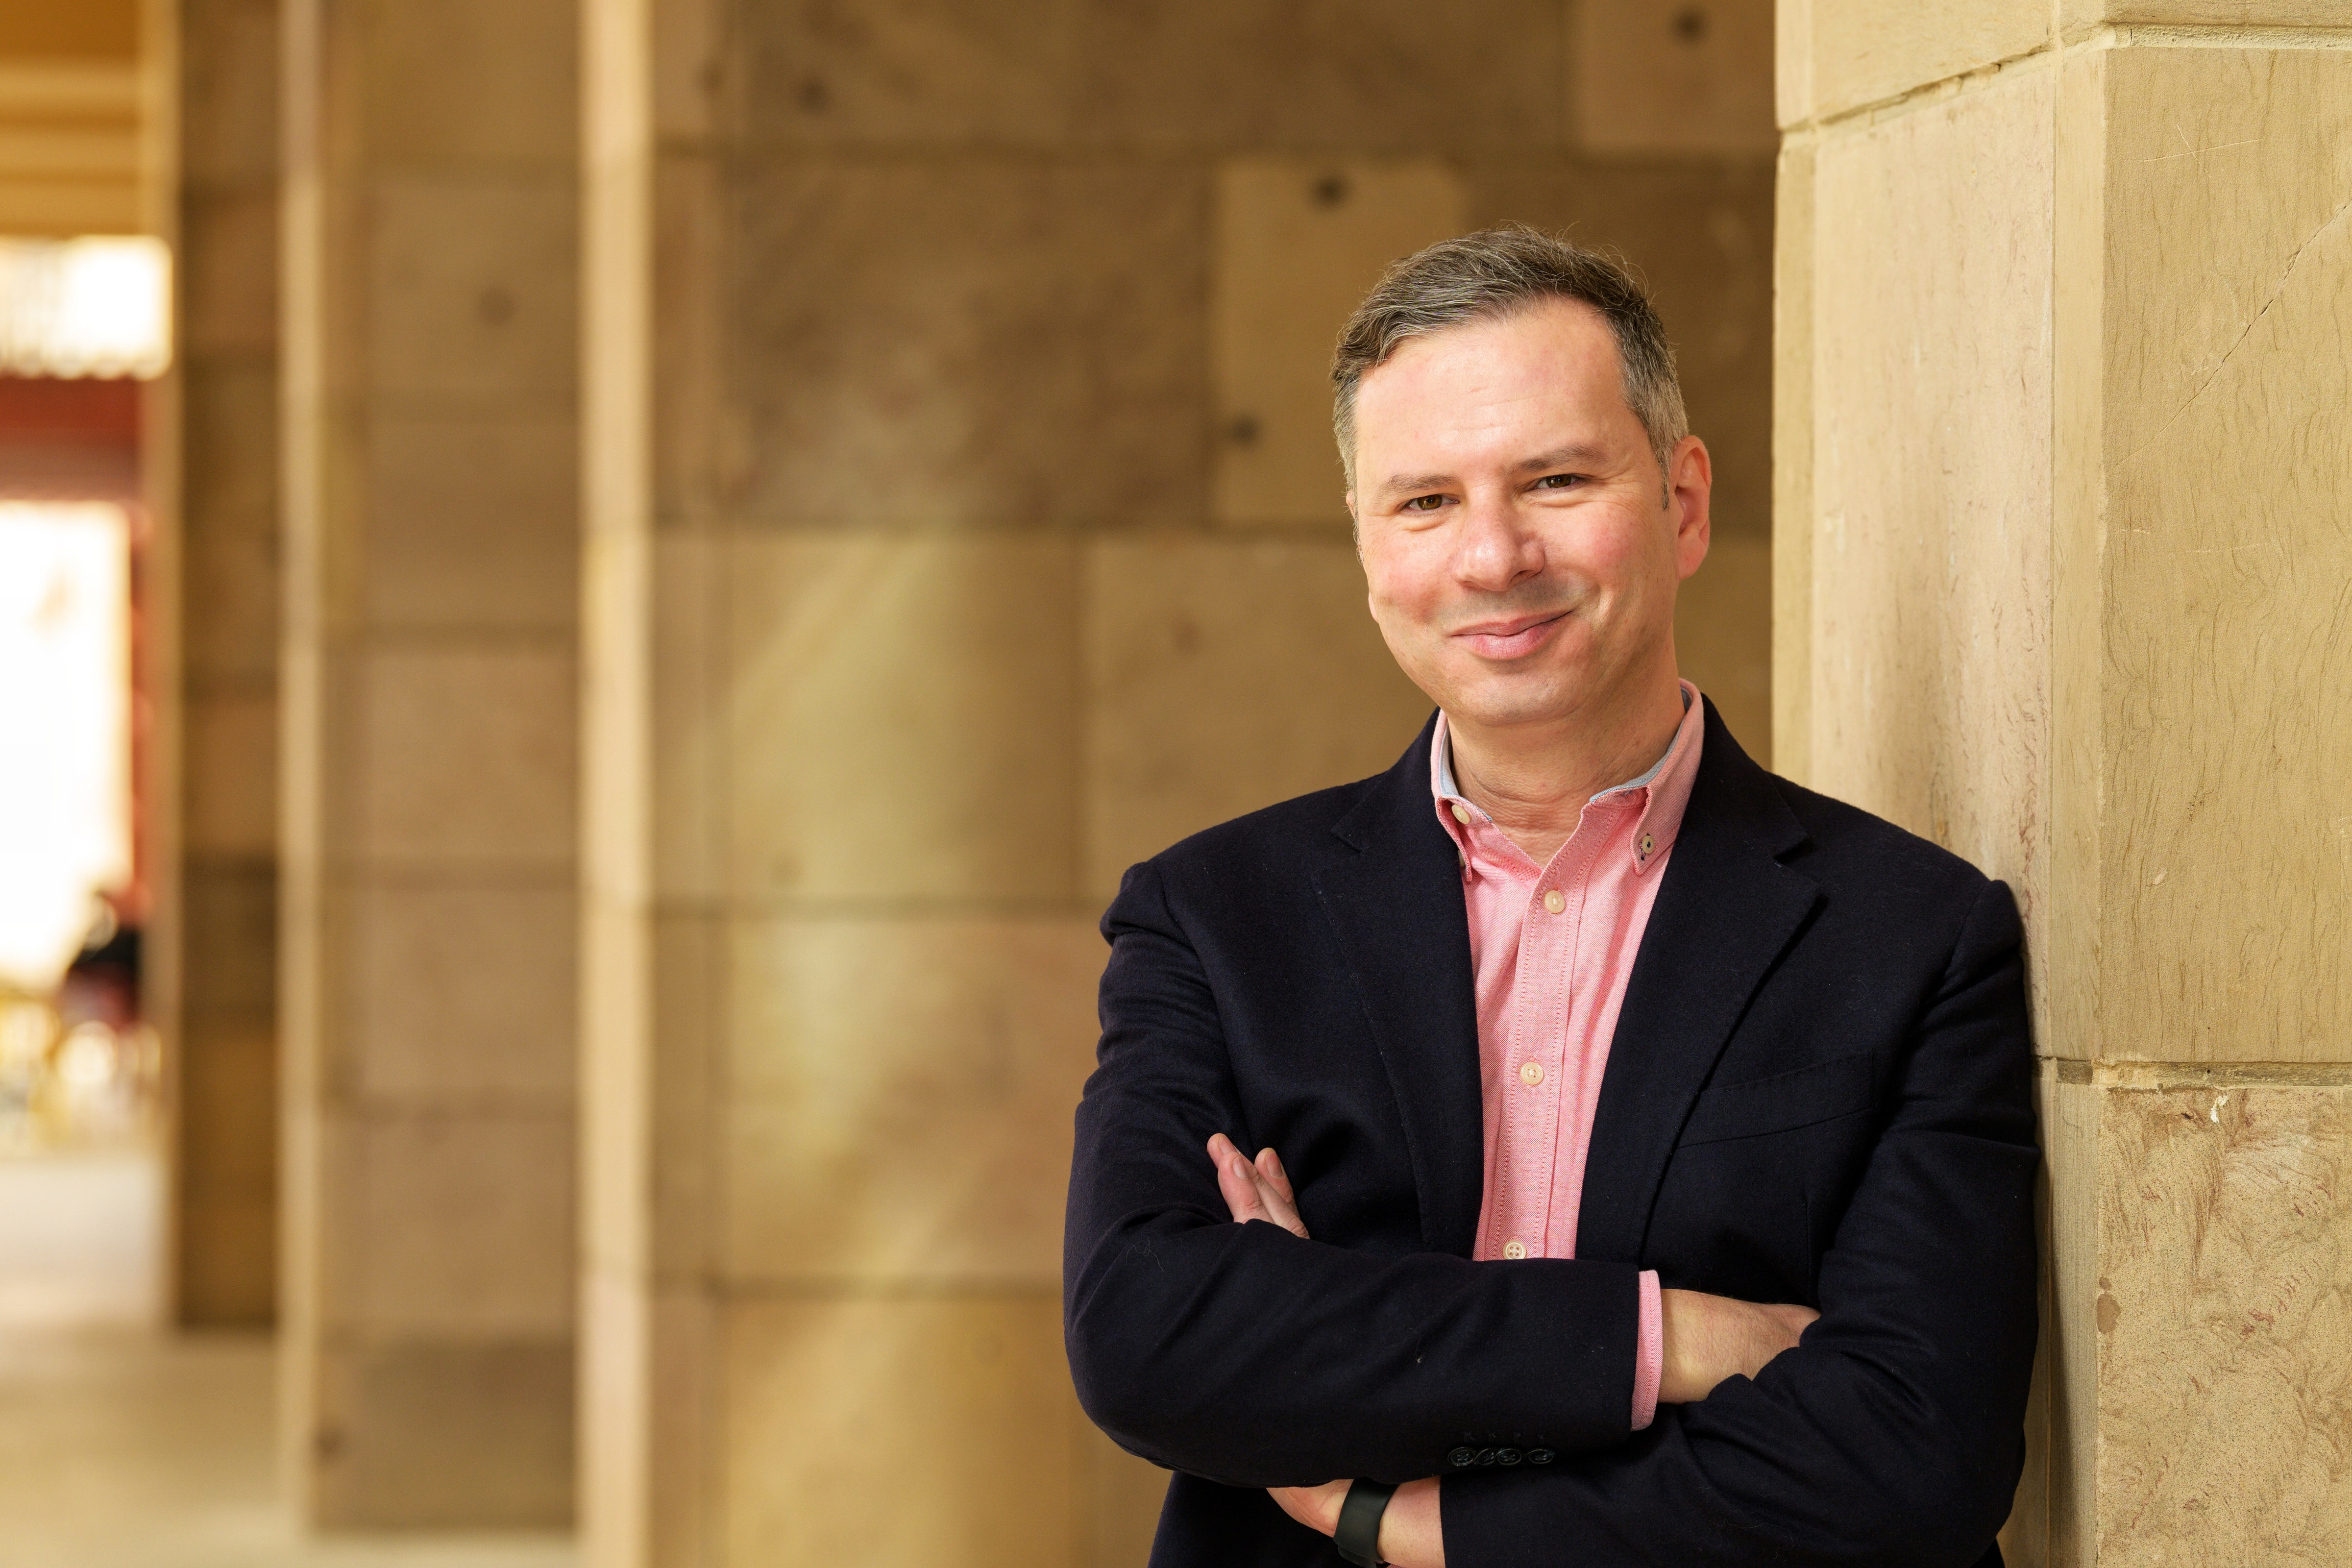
1240, 1353
1892, 1434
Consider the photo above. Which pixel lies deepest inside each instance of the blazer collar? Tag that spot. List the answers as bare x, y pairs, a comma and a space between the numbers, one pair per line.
1726, 911
1396, 908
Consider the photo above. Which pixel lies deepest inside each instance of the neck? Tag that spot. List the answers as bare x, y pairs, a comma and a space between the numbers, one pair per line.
1535, 779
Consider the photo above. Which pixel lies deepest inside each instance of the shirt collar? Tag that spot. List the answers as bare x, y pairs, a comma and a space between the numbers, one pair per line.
1667, 781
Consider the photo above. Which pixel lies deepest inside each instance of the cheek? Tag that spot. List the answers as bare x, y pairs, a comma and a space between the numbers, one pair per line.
1402, 588
1628, 558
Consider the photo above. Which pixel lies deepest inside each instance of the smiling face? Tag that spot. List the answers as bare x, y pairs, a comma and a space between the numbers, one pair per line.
1521, 556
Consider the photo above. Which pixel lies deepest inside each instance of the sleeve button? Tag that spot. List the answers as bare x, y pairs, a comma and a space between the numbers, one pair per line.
1462, 1458
1539, 1455
1486, 1455
1507, 1455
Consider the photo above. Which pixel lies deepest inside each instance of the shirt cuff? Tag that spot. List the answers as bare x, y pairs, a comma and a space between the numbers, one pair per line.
1649, 1352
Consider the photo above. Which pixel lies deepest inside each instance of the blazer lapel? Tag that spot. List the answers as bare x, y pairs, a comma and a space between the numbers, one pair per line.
1396, 907
1726, 912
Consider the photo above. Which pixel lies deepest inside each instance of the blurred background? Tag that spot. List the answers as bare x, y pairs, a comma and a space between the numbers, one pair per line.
592, 600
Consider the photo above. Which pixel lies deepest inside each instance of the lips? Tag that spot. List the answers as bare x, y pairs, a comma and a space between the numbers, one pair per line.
1513, 638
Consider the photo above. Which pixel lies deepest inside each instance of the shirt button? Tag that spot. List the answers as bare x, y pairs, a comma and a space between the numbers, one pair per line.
1531, 1073
1515, 1250
1461, 813
1555, 900
1648, 846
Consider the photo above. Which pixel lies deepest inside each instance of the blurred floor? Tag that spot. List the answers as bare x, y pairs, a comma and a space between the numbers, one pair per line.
121, 1448
81, 1239
124, 1447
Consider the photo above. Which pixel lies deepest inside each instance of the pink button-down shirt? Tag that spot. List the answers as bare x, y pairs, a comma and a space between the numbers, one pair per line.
1551, 948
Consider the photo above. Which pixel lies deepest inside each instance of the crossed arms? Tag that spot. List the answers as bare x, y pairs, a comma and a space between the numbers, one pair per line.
1249, 1354
1707, 1340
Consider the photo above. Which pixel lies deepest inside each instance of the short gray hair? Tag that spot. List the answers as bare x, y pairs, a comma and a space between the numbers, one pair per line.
1496, 272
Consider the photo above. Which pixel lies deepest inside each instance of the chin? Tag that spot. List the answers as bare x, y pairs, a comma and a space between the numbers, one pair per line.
1515, 703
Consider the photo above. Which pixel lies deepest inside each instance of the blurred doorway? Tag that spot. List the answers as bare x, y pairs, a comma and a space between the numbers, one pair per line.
81, 1170
84, 329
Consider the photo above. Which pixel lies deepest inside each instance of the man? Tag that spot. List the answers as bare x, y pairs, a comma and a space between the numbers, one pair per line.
1635, 1149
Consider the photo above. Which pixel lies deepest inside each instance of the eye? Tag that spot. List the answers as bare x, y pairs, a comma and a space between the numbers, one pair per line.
1559, 481
1423, 504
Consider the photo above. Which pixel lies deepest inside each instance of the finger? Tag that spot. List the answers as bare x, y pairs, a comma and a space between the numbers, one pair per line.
1274, 1193
1236, 1181
1269, 1165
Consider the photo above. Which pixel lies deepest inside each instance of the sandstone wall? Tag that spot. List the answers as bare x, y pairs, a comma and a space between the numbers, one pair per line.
2060, 464
963, 526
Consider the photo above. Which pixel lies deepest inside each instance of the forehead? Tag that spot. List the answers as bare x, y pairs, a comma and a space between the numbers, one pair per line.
1551, 363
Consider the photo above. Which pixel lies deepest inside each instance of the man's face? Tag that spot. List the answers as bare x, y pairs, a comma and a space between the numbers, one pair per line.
1521, 556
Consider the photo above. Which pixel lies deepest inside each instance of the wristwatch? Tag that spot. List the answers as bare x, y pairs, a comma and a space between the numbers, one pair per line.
1358, 1536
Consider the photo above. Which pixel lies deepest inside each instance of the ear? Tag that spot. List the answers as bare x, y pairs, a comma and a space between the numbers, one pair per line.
1690, 485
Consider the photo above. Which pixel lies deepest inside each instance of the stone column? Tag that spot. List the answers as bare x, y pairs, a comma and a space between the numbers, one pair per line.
225, 1176
963, 526
2064, 456
429, 699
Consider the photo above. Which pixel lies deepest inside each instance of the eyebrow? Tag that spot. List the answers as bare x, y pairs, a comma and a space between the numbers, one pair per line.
1573, 454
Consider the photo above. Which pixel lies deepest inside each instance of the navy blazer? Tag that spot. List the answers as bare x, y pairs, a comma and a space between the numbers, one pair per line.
1820, 1091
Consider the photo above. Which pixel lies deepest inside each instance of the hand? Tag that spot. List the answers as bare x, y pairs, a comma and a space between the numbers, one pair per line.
1410, 1533
1710, 1338
1259, 1191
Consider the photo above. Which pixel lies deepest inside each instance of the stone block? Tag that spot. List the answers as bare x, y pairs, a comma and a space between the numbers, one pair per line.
1723, 637
900, 1093
1932, 475
229, 69
226, 1251
2223, 1317
1222, 676
1677, 80
1299, 241
830, 1403
472, 290
228, 272
473, 523
462, 992
1045, 367
228, 914
1370, 76
455, 82
230, 528
1849, 53
449, 1226
225, 1080
467, 755
2227, 877
425, 1435
229, 774
899, 717
921, 72
1702, 238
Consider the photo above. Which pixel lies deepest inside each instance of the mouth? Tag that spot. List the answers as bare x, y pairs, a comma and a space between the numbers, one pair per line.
1513, 638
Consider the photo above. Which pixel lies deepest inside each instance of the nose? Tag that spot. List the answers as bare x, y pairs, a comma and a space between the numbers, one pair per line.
1494, 549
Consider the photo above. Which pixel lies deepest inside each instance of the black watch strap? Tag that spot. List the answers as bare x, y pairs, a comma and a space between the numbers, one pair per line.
1358, 1536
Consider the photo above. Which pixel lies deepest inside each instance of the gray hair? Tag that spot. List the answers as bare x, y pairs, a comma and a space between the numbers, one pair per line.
1496, 272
